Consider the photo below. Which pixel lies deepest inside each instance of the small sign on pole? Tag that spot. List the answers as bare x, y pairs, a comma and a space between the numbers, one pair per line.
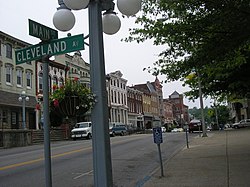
157, 133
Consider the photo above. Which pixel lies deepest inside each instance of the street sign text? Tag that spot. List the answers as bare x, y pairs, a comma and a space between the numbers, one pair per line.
54, 47
41, 31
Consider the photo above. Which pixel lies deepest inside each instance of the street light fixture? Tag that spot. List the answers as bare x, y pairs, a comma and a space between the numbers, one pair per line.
23, 98
109, 24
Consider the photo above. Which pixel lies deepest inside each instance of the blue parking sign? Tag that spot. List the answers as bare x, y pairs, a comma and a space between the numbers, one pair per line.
157, 133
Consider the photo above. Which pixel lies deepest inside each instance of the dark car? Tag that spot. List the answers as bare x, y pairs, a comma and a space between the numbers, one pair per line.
194, 125
120, 130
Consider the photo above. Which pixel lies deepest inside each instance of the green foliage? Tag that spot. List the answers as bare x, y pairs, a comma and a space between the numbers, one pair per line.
222, 112
210, 37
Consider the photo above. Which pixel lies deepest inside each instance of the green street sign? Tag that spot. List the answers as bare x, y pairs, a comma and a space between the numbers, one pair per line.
41, 31
54, 47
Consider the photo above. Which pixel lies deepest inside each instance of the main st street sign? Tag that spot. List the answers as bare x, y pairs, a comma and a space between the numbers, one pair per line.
54, 47
41, 31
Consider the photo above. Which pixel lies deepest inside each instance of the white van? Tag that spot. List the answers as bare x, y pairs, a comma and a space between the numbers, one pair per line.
82, 130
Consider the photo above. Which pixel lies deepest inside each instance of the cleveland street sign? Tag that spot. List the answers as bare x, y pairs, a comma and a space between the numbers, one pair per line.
41, 31
54, 47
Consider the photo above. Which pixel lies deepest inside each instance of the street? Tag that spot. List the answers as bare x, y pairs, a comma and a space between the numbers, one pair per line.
134, 158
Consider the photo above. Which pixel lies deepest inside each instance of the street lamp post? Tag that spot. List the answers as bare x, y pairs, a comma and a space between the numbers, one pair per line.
109, 24
23, 98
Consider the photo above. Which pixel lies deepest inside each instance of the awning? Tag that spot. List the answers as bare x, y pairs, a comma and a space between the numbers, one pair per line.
11, 99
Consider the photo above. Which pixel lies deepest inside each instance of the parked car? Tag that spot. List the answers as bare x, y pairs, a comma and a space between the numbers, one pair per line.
111, 132
241, 124
82, 130
119, 130
177, 130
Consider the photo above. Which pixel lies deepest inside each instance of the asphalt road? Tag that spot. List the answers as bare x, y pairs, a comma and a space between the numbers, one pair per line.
134, 158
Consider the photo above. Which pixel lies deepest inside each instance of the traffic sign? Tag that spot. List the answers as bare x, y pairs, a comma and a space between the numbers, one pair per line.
41, 31
157, 133
54, 47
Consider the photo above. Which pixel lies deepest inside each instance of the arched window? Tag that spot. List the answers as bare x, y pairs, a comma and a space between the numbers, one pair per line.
29, 79
9, 73
9, 51
19, 77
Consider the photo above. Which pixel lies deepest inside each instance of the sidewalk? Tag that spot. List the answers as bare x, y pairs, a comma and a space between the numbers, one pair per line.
220, 160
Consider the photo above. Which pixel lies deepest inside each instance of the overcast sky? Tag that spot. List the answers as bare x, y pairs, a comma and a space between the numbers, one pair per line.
129, 58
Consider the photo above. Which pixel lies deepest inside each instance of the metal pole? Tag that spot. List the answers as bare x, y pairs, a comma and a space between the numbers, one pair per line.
23, 106
204, 130
102, 165
187, 137
159, 150
46, 126
216, 113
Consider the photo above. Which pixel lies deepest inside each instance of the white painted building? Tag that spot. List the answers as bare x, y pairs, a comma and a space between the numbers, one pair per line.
117, 97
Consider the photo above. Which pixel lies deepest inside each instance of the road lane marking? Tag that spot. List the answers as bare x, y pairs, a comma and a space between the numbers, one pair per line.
41, 159
57, 155
20, 164
83, 174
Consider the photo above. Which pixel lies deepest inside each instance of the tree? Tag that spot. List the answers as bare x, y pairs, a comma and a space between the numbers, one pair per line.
206, 36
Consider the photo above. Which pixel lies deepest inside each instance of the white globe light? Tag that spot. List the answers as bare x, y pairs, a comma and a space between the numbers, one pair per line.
20, 99
64, 20
76, 4
129, 7
111, 23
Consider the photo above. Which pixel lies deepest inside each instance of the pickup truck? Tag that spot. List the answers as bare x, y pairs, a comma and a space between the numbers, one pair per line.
82, 130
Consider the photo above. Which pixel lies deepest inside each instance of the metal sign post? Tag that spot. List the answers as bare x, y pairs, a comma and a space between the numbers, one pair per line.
157, 134
186, 131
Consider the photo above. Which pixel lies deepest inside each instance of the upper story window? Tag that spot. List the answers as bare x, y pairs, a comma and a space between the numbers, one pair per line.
40, 82
115, 99
9, 51
112, 96
19, 77
118, 97
29, 79
9, 74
